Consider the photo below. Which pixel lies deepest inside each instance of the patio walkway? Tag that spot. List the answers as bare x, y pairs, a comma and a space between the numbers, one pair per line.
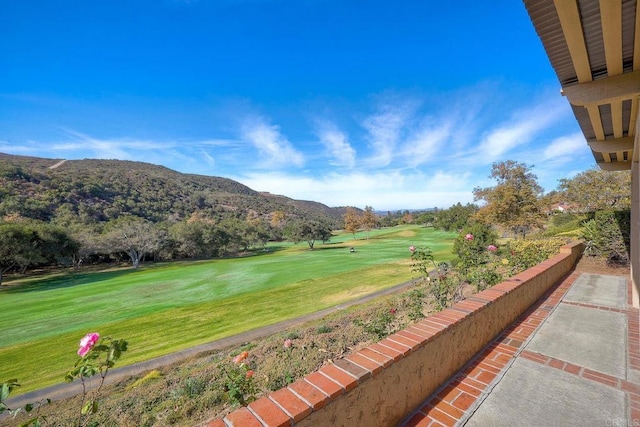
573, 359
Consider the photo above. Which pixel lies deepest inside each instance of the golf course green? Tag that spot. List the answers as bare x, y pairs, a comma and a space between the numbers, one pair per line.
165, 307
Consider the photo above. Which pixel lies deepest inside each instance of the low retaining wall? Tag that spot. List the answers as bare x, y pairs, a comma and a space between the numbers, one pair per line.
381, 384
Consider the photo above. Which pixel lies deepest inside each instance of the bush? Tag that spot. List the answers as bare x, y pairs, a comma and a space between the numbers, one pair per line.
608, 235
471, 246
484, 277
524, 254
569, 227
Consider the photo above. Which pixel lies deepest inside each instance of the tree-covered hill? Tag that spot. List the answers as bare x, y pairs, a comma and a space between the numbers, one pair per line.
89, 191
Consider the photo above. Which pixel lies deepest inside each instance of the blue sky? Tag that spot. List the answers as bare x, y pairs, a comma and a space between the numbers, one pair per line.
396, 105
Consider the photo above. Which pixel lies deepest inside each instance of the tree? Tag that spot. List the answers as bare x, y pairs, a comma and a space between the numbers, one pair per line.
596, 189
369, 220
18, 248
455, 218
137, 238
351, 221
56, 246
513, 202
309, 231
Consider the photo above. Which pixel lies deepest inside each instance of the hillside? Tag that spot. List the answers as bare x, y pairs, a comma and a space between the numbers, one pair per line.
102, 190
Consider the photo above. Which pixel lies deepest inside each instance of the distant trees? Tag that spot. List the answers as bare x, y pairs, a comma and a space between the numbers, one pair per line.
514, 202
454, 218
596, 189
23, 245
136, 237
351, 220
309, 231
365, 220
369, 220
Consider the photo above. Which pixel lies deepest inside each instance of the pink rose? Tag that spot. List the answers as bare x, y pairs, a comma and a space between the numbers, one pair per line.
492, 248
87, 343
469, 236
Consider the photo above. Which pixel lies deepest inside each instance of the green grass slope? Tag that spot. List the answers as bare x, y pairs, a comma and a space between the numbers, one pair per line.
168, 307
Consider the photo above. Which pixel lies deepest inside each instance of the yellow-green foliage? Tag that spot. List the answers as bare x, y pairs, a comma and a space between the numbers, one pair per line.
527, 253
153, 375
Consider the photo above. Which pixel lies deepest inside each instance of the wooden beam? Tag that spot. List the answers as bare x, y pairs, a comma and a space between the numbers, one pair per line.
616, 118
572, 28
611, 145
604, 91
611, 20
596, 122
607, 157
614, 166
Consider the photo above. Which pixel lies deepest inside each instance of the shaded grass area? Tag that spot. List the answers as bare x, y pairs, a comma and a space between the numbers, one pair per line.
173, 306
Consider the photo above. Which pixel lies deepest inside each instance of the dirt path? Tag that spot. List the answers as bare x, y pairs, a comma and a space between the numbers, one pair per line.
64, 390
60, 163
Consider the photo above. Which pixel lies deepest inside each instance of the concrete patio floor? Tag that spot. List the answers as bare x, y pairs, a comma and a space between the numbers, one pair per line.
573, 359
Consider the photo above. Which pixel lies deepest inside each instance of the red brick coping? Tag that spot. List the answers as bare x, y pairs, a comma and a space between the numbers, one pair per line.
453, 403
381, 384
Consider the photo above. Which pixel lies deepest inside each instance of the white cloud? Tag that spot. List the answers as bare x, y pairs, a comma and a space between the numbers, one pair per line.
565, 147
209, 159
384, 131
268, 140
337, 143
423, 146
390, 190
520, 129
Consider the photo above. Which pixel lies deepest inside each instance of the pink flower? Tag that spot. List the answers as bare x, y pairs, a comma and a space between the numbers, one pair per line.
492, 248
239, 358
249, 373
412, 248
87, 343
469, 236
287, 343
393, 311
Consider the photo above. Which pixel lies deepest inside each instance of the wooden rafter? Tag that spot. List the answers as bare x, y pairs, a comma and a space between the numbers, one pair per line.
622, 144
572, 28
594, 116
611, 20
616, 118
605, 91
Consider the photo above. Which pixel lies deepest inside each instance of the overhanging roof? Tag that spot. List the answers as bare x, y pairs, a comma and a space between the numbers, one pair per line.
593, 47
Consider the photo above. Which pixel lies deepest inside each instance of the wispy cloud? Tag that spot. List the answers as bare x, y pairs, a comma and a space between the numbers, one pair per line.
520, 129
424, 145
337, 144
209, 159
384, 130
565, 147
271, 143
385, 190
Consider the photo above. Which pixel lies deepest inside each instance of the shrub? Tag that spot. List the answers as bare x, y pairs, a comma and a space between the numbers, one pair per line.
524, 254
484, 277
471, 246
608, 235
570, 225
324, 328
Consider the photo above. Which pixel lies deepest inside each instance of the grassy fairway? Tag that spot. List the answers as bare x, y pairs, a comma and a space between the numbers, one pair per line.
168, 307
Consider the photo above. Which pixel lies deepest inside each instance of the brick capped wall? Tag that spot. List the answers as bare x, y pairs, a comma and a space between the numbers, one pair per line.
381, 384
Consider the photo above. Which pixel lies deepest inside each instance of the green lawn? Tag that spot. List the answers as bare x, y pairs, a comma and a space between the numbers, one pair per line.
167, 307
